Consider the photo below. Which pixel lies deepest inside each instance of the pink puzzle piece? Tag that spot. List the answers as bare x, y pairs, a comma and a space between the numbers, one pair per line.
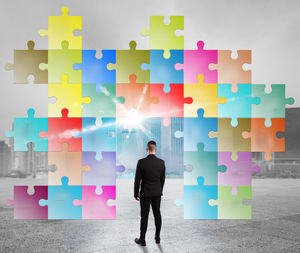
170, 104
95, 206
237, 172
196, 62
27, 206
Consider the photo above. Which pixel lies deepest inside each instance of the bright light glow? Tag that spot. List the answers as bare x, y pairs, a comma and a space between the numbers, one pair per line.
133, 120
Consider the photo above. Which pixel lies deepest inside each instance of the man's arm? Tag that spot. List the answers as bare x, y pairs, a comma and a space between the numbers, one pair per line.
137, 180
162, 177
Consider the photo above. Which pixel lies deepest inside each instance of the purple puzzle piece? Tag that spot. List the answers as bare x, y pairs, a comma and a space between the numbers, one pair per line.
103, 172
238, 172
27, 206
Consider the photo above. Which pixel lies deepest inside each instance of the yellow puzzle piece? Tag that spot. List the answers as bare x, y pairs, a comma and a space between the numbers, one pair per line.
68, 96
61, 28
205, 96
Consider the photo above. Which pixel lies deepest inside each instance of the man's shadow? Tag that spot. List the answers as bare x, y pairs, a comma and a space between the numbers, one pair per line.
160, 248
145, 250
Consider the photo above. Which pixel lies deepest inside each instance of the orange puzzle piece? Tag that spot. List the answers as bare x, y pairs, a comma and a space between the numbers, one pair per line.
264, 139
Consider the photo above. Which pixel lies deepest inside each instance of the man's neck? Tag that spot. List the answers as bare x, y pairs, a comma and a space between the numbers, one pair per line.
151, 153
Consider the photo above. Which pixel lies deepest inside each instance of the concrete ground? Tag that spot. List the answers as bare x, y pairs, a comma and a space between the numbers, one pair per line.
275, 226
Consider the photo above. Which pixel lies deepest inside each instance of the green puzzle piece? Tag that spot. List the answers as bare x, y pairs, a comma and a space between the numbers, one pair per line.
163, 36
129, 62
103, 104
272, 105
231, 206
61, 62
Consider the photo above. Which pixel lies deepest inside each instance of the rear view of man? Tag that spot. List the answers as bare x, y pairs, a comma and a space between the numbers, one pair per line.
150, 174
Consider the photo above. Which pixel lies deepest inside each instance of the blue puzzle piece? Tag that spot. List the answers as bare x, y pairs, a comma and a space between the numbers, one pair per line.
204, 164
162, 70
60, 201
196, 130
27, 130
98, 138
196, 199
238, 105
95, 70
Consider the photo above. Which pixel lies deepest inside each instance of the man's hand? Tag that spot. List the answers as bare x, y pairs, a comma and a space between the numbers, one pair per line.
137, 198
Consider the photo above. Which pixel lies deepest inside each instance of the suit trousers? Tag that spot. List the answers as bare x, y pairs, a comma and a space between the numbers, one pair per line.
145, 203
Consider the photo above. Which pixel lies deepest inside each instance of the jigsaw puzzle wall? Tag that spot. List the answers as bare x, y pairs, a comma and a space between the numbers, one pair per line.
221, 117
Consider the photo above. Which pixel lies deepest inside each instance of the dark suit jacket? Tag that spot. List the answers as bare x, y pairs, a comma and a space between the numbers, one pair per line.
151, 171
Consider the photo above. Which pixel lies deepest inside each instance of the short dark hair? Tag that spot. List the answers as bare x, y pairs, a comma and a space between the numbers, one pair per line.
151, 145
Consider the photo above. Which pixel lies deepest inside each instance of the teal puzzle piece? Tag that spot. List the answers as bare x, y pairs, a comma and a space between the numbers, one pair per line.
238, 105
26, 130
204, 164
196, 199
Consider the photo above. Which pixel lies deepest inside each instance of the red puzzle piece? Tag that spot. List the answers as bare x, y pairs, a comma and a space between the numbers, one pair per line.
170, 104
60, 130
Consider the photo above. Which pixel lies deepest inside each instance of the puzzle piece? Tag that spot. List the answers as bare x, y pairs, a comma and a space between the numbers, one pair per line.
103, 104
94, 206
60, 201
272, 105
230, 138
26, 62
204, 164
103, 172
231, 70
98, 138
170, 104
204, 96
27, 130
94, 70
238, 104
129, 62
60, 62
162, 70
196, 201
264, 139
137, 97
196, 130
231, 206
196, 62
68, 96
163, 36
68, 163
238, 172
61, 28
26, 206
60, 130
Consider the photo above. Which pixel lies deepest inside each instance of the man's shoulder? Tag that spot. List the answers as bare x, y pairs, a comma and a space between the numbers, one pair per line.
161, 160
147, 158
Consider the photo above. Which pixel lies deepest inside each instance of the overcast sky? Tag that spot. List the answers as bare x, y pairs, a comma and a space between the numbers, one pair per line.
270, 29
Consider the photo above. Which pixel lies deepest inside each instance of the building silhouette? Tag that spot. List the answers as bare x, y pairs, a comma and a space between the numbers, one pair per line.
5, 159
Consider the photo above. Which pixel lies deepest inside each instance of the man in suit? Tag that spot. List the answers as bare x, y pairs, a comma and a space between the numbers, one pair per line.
150, 175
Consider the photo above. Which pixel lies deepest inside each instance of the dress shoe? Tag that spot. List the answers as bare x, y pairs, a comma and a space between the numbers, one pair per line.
140, 242
157, 240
